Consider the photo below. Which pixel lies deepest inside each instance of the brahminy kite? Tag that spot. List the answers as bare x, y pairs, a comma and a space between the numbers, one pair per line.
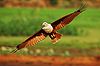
50, 30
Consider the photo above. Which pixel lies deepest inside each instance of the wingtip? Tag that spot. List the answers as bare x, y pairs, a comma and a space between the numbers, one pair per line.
14, 51
83, 6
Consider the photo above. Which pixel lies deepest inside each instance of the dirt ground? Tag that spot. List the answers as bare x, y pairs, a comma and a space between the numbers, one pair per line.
13, 60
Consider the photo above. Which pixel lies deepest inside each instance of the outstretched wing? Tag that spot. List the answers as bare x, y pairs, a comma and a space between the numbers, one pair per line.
32, 40
66, 19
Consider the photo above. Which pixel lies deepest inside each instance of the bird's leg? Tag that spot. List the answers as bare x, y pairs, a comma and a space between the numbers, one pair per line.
52, 35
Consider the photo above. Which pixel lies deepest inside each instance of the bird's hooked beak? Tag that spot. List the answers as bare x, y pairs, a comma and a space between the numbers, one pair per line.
44, 24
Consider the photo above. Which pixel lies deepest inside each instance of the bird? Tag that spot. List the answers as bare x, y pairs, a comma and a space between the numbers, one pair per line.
50, 30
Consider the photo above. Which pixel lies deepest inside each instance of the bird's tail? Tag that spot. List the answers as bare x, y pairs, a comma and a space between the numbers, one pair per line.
55, 37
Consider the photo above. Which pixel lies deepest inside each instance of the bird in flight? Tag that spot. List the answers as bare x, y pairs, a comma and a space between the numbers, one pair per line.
50, 30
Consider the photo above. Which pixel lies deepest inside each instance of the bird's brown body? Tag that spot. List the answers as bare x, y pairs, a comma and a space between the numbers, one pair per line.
50, 30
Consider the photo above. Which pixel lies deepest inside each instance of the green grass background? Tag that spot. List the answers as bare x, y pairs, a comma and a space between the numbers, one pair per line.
81, 36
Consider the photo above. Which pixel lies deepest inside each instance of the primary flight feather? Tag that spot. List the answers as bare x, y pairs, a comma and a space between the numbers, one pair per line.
50, 30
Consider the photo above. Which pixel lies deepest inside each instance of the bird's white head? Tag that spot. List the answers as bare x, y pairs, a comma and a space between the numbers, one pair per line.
47, 27
44, 24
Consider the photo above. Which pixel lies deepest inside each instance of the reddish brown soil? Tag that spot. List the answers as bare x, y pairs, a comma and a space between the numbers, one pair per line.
13, 60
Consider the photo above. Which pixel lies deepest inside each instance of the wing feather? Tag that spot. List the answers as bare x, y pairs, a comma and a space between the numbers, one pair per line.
33, 39
66, 19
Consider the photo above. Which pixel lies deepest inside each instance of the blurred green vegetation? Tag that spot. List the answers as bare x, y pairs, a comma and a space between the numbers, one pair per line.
67, 46
23, 22
81, 36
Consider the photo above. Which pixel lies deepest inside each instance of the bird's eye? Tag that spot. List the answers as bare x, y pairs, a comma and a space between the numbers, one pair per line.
43, 25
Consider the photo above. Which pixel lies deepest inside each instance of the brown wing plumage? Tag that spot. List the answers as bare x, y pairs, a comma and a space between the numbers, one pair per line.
66, 19
32, 40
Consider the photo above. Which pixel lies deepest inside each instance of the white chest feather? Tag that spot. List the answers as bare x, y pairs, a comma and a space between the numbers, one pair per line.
48, 28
